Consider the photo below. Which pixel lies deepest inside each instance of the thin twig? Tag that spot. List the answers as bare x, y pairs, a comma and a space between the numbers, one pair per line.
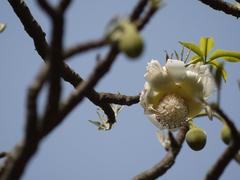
137, 11
226, 7
84, 47
166, 163
147, 16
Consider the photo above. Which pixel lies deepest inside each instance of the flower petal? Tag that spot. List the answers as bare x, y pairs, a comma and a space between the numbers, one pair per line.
176, 69
157, 76
148, 98
153, 69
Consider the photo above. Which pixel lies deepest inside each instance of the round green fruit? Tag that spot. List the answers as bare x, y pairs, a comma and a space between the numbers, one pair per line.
226, 134
196, 139
131, 42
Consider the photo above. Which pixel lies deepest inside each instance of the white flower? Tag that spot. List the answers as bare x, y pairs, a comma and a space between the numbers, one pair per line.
173, 93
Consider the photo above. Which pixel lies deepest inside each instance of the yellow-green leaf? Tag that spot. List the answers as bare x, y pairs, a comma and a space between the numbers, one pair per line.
193, 47
219, 66
219, 53
195, 59
231, 59
206, 45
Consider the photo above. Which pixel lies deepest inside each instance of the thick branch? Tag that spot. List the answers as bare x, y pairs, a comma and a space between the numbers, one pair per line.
55, 58
166, 163
226, 7
18, 158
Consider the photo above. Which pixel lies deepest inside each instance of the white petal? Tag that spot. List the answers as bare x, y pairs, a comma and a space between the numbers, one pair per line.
163, 138
204, 76
157, 76
148, 98
152, 118
153, 69
176, 69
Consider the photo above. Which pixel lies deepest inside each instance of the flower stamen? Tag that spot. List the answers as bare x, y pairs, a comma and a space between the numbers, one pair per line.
172, 112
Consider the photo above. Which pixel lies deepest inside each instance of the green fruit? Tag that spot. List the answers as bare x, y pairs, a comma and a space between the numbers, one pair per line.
125, 34
131, 42
196, 138
226, 134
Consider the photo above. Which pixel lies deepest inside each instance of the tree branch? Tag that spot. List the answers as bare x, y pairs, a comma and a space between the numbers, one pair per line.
84, 47
17, 159
226, 7
166, 163
137, 11
217, 169
35, 31
3, 154
118, 99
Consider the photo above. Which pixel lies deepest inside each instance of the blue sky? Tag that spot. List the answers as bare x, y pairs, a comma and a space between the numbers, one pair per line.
76, 150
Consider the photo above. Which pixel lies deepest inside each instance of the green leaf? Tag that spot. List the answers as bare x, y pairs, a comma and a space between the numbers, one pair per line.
219, 67
96, 123
176, 55
193, 47
219, 53
231, 59
206, 45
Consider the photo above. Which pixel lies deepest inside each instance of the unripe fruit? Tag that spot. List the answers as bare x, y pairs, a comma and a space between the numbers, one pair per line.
226, 134
131, 42
125, 34
196, 138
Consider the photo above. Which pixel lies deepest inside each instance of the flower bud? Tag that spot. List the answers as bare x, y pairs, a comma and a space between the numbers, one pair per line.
226, 134
196, 139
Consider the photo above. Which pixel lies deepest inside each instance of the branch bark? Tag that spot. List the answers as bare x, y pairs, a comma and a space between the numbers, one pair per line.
224, 159
225, 7
166, 163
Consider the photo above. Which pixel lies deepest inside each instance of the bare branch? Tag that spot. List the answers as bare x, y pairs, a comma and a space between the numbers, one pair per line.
137, 11
166, 163
33, 92
76, 97
118, 99
18, 158
31, 26
35, 31
84, 47
63, 5
3, 154
147, 16
47, 7
226, 7
217, 169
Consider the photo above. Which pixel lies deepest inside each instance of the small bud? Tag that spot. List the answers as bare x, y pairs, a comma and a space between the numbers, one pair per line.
196, 139
226, 134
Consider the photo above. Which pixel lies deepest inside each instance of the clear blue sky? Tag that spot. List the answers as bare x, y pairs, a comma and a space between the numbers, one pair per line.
76, 150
